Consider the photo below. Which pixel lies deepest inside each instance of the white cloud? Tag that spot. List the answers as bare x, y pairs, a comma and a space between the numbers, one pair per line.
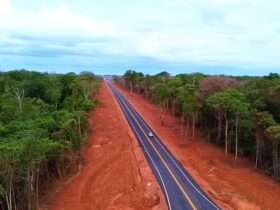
58, 21
241, 33
5, 6
216, 32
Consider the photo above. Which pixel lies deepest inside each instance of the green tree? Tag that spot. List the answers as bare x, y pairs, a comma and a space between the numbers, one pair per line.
262, 120
273, 133
43, 126
231, 104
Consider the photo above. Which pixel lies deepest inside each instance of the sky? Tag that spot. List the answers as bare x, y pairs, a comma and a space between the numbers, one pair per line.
237, 37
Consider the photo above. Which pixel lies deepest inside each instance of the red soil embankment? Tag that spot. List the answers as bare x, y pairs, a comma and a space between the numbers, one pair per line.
115, 175
233, 185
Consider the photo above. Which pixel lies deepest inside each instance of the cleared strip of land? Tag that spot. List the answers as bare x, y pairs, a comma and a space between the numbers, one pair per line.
115, 174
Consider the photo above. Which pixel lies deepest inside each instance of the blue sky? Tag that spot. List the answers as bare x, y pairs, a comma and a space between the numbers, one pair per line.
239, 37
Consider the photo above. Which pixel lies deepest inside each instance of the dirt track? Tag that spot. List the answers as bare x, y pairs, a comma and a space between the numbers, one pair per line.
115, 175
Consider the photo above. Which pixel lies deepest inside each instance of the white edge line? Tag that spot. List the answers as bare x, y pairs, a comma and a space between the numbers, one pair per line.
165, 190
144, 147
213, 204
176, 164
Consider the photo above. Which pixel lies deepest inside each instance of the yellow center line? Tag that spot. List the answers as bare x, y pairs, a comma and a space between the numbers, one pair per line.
164, 162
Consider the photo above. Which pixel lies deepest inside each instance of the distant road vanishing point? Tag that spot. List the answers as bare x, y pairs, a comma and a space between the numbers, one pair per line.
180, 189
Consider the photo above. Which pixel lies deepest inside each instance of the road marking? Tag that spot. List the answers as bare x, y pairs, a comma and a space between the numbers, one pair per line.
176, 164
153, 163
164, 162
145, 149
165, 150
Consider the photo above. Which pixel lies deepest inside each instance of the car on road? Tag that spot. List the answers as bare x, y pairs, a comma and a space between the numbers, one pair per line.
150, 134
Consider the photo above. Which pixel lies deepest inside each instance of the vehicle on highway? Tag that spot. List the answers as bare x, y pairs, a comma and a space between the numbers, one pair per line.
181, 191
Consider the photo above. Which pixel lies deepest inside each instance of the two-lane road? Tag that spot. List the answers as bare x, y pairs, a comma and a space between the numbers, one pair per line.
180, 189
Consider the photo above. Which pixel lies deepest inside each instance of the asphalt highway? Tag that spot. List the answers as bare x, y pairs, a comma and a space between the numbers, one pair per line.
180, 189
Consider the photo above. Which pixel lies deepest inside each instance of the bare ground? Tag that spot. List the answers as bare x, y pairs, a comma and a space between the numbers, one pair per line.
115, 174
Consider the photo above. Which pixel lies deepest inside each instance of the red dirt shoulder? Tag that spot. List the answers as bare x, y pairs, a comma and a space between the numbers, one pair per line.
115, 174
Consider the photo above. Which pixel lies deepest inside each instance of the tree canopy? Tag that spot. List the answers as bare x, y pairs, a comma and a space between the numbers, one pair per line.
240, 113
43, 122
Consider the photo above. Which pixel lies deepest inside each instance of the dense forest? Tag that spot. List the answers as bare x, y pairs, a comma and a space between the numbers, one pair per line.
241, 114
43, 126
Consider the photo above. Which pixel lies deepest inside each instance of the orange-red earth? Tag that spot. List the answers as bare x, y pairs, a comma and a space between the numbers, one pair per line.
116, 176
